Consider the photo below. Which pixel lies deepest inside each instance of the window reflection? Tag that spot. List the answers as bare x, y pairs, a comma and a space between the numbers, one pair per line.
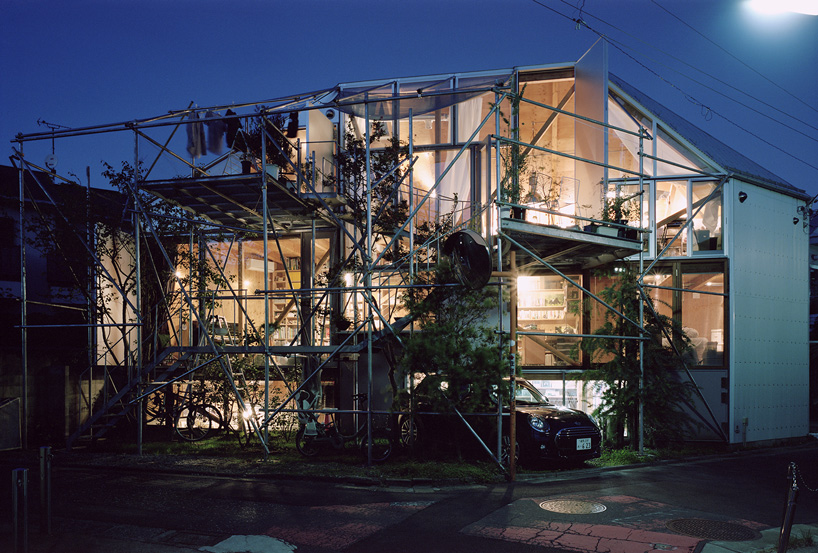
707, 223
671, 215
703, 315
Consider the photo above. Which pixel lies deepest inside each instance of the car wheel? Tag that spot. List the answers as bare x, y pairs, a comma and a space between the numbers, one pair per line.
410, 431
506, 450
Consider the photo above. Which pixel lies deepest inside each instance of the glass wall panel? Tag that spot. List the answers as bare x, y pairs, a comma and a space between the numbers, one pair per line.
657, 284
453, 194
668, 149
707, 223
548, 181
671, 215
703, 313
471, 112
548, 304
623, 148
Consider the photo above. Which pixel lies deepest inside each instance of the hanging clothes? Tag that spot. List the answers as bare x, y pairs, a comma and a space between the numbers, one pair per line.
232, 128
216, 128
196, 146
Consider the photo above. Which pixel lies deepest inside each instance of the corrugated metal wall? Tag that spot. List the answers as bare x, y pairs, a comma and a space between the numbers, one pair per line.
769, 305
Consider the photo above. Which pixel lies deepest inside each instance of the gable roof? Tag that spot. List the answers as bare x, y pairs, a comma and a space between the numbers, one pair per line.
723, 155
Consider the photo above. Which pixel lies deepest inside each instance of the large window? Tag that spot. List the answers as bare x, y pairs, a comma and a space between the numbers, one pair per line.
707, 217
695, 295
679, 201
549, 305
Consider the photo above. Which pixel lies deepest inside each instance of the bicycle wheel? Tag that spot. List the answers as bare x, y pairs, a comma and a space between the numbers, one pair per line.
306, 445
381, 445
193, 423
154, 406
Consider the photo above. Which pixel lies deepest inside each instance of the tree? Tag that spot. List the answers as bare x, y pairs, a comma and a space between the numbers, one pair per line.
615, 363
454, 342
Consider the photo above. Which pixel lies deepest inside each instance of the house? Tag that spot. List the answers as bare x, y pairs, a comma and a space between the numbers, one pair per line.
50, 364
307, 210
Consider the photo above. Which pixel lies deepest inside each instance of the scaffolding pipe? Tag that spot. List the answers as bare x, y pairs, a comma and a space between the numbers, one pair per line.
138, 268
266, 253
368, 284
23, 312
641, 420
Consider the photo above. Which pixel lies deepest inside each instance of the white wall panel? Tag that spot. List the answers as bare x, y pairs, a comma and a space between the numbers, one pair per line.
769, 303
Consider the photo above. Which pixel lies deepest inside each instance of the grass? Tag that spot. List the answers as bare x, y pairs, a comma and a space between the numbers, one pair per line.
223, 454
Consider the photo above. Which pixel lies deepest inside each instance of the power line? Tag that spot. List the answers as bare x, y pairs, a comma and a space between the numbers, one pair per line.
581, 22
761, 113
726, 84
735, 57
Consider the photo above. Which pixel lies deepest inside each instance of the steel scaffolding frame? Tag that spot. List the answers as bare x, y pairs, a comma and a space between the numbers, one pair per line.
268, 218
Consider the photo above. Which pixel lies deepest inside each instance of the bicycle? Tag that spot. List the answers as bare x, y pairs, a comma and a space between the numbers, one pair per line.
314, 434
192, 417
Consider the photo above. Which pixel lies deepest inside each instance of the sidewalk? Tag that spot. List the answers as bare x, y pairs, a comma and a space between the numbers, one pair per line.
583, 522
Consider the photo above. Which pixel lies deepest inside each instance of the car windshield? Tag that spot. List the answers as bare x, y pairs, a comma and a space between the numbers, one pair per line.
527, 394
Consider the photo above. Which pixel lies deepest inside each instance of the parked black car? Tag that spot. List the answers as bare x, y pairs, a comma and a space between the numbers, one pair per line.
544, 431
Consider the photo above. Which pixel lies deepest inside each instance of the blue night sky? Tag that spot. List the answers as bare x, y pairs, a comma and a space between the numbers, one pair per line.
90, 62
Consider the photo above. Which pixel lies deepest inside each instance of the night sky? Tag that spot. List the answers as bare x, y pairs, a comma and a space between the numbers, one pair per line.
750, 81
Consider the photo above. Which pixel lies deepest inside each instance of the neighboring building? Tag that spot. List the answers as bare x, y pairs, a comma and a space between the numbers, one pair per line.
724, 242
56, 286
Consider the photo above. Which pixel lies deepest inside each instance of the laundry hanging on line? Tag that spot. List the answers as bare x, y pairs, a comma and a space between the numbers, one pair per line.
233, 126
196, 145
216, 128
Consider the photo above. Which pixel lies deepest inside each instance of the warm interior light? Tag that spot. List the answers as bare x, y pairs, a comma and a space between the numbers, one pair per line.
247, 284
808, 7
526, 284
179, 274
348, 279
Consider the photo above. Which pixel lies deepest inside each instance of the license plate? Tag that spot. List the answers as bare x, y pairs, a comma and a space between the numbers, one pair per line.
583, 443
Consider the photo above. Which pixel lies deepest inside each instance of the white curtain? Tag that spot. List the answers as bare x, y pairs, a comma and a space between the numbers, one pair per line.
468, 117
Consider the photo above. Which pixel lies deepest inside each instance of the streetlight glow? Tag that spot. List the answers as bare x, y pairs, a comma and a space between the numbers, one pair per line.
807, 7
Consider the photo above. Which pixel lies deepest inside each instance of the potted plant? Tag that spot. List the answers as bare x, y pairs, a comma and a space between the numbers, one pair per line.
620, 210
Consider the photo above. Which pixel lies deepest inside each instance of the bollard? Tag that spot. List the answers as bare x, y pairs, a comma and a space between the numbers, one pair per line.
789, 510
45, 490
19, 494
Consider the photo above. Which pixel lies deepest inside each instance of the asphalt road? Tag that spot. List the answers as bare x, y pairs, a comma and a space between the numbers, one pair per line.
117, 510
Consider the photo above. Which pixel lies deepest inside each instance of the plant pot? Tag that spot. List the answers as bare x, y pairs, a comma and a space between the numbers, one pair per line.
629, 233
607, 231
518, 213
505, 212
592, 228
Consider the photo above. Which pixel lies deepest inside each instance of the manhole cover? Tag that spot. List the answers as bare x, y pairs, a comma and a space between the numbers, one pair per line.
712, 529
572, 506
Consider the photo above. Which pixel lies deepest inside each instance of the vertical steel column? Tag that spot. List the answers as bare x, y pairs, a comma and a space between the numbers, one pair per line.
23, 312
91, 284
45, 490
512, 416
641, 300
266, 251
499, 260
19, 497
368, 288
138, 269
411, 200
